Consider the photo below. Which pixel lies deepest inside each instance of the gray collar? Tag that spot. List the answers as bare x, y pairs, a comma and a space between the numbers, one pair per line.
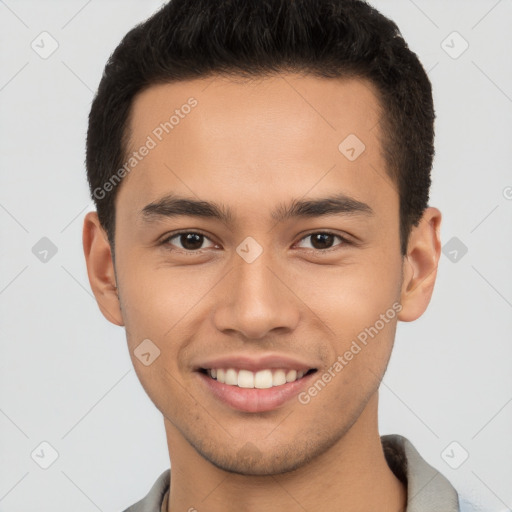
427, 489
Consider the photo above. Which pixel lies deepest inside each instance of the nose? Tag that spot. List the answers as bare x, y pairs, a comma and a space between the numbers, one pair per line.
256, 299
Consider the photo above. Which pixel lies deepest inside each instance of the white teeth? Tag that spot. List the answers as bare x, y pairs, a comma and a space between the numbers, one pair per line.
262, 379
231, 377
291, 376
245, 379
279, 378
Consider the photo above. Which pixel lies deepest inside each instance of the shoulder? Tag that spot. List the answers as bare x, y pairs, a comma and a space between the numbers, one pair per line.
427, 488
152, 502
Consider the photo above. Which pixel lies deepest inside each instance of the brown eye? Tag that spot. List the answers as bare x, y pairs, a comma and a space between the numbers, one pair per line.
323, 240
187, 241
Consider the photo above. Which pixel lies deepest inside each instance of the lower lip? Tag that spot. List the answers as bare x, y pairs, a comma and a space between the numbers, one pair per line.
255, 400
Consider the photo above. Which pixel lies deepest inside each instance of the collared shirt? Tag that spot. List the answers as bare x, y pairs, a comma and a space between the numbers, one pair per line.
427, 489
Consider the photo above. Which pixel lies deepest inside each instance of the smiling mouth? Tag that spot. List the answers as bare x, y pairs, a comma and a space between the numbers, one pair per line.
262, 379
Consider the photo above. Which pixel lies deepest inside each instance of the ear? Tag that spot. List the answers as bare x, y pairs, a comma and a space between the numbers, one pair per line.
100, 268
420, 265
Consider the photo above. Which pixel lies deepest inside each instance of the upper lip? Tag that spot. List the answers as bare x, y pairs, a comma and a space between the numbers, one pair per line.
255, 363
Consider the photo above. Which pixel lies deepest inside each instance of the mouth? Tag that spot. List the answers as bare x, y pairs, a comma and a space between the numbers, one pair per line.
261, 379
254, 391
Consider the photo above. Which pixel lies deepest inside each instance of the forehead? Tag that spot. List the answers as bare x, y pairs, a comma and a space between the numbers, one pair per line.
257, 138
304, 107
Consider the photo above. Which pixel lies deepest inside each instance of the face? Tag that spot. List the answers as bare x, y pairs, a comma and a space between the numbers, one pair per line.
272, 300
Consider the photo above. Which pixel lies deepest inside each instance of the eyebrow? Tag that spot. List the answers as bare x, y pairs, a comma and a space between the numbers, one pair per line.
173, 205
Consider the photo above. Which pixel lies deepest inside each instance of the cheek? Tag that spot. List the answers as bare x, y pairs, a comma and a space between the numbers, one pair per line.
352, 295
156, 299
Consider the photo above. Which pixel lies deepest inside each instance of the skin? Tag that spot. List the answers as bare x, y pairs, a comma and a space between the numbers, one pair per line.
251, 146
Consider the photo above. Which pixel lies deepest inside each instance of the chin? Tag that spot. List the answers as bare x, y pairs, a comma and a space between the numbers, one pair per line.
250, 461
267, 466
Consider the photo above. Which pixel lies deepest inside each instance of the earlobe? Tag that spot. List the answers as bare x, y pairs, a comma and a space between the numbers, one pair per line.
100, 268
420, 265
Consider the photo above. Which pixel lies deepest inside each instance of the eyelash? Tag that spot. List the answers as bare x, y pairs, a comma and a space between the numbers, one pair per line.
344, 241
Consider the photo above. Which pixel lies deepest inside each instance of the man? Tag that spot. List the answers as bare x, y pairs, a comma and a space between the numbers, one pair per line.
261, 173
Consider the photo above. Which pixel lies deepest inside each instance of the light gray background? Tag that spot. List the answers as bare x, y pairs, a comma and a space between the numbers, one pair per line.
65, 373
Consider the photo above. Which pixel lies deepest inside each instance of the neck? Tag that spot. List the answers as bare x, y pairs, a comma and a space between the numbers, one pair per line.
352, 475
